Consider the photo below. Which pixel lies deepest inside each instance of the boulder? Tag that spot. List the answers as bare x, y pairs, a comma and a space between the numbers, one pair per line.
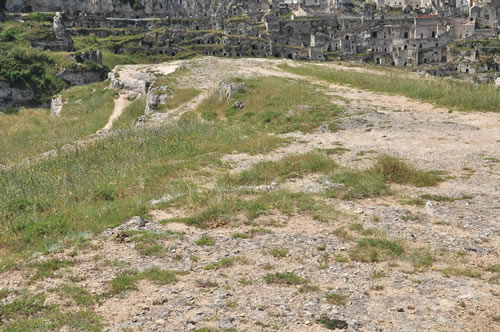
227, 89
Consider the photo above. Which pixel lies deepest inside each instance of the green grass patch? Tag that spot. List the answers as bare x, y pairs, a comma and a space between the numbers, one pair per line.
31, 132
374, 250
100, 186
275, 104
251, 233
149, 243
336, 299
205, 240
179, 97
359, 184
374, 181
226, 262
421, 258
220, 207
278, 252
126, 281
81, 296
460, 272
443, 92
286, 278
130, 114
31, 313
333, 324
493, 268
291, 166
47, 268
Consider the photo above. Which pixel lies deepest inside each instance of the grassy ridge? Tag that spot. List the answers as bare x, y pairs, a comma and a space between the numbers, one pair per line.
100, 186
275, 104
92, 189
443, 92
29, 132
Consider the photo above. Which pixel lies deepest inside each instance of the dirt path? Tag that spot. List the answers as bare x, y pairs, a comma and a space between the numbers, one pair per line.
120, 104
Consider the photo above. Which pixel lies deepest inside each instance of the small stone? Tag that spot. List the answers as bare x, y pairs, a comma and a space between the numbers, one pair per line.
238, 105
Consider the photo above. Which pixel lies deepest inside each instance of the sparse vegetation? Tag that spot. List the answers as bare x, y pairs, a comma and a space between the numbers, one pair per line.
149, 243
81, 296
214, 176
286, 278
278, 252
291, 166
373, 181
130, 114
126, 281
32, 313
448, 93
374, 250
336, 299
458, 271
226, 262
205, 240
275, 104
47, 268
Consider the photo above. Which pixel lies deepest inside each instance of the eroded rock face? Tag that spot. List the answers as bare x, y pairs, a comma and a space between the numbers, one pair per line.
133, 82
12, 96
81, 77
156, 96
148, 8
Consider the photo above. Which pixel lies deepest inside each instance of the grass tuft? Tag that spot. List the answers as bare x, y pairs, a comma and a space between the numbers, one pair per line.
226, 262
126, 281
205, 240
286, 278
47, 268
292, 166
374, 250
374, 181
336, 299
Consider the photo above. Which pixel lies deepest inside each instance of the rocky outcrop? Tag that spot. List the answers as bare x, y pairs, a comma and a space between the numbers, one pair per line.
81, 77
11, 96
132, 82
156, 96
60, 41
227, 89
61, 34
56, 106
144, 8
94, 56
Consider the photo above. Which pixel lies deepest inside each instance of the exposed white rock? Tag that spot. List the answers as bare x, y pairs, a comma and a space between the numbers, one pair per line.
56, 105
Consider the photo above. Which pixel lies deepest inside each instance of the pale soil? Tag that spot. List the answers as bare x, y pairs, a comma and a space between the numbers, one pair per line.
120, 104
465, 145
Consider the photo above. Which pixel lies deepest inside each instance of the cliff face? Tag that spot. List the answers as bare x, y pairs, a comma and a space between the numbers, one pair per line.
144, 8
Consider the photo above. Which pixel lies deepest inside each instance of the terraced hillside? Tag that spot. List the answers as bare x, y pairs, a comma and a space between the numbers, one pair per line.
218, 194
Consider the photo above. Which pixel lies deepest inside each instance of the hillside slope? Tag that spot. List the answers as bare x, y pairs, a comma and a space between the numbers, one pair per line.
258, 194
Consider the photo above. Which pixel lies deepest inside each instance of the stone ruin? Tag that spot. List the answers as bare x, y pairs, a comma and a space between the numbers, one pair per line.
406, 33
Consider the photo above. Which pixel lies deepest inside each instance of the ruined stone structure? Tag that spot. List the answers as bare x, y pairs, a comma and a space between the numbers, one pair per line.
406, 33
